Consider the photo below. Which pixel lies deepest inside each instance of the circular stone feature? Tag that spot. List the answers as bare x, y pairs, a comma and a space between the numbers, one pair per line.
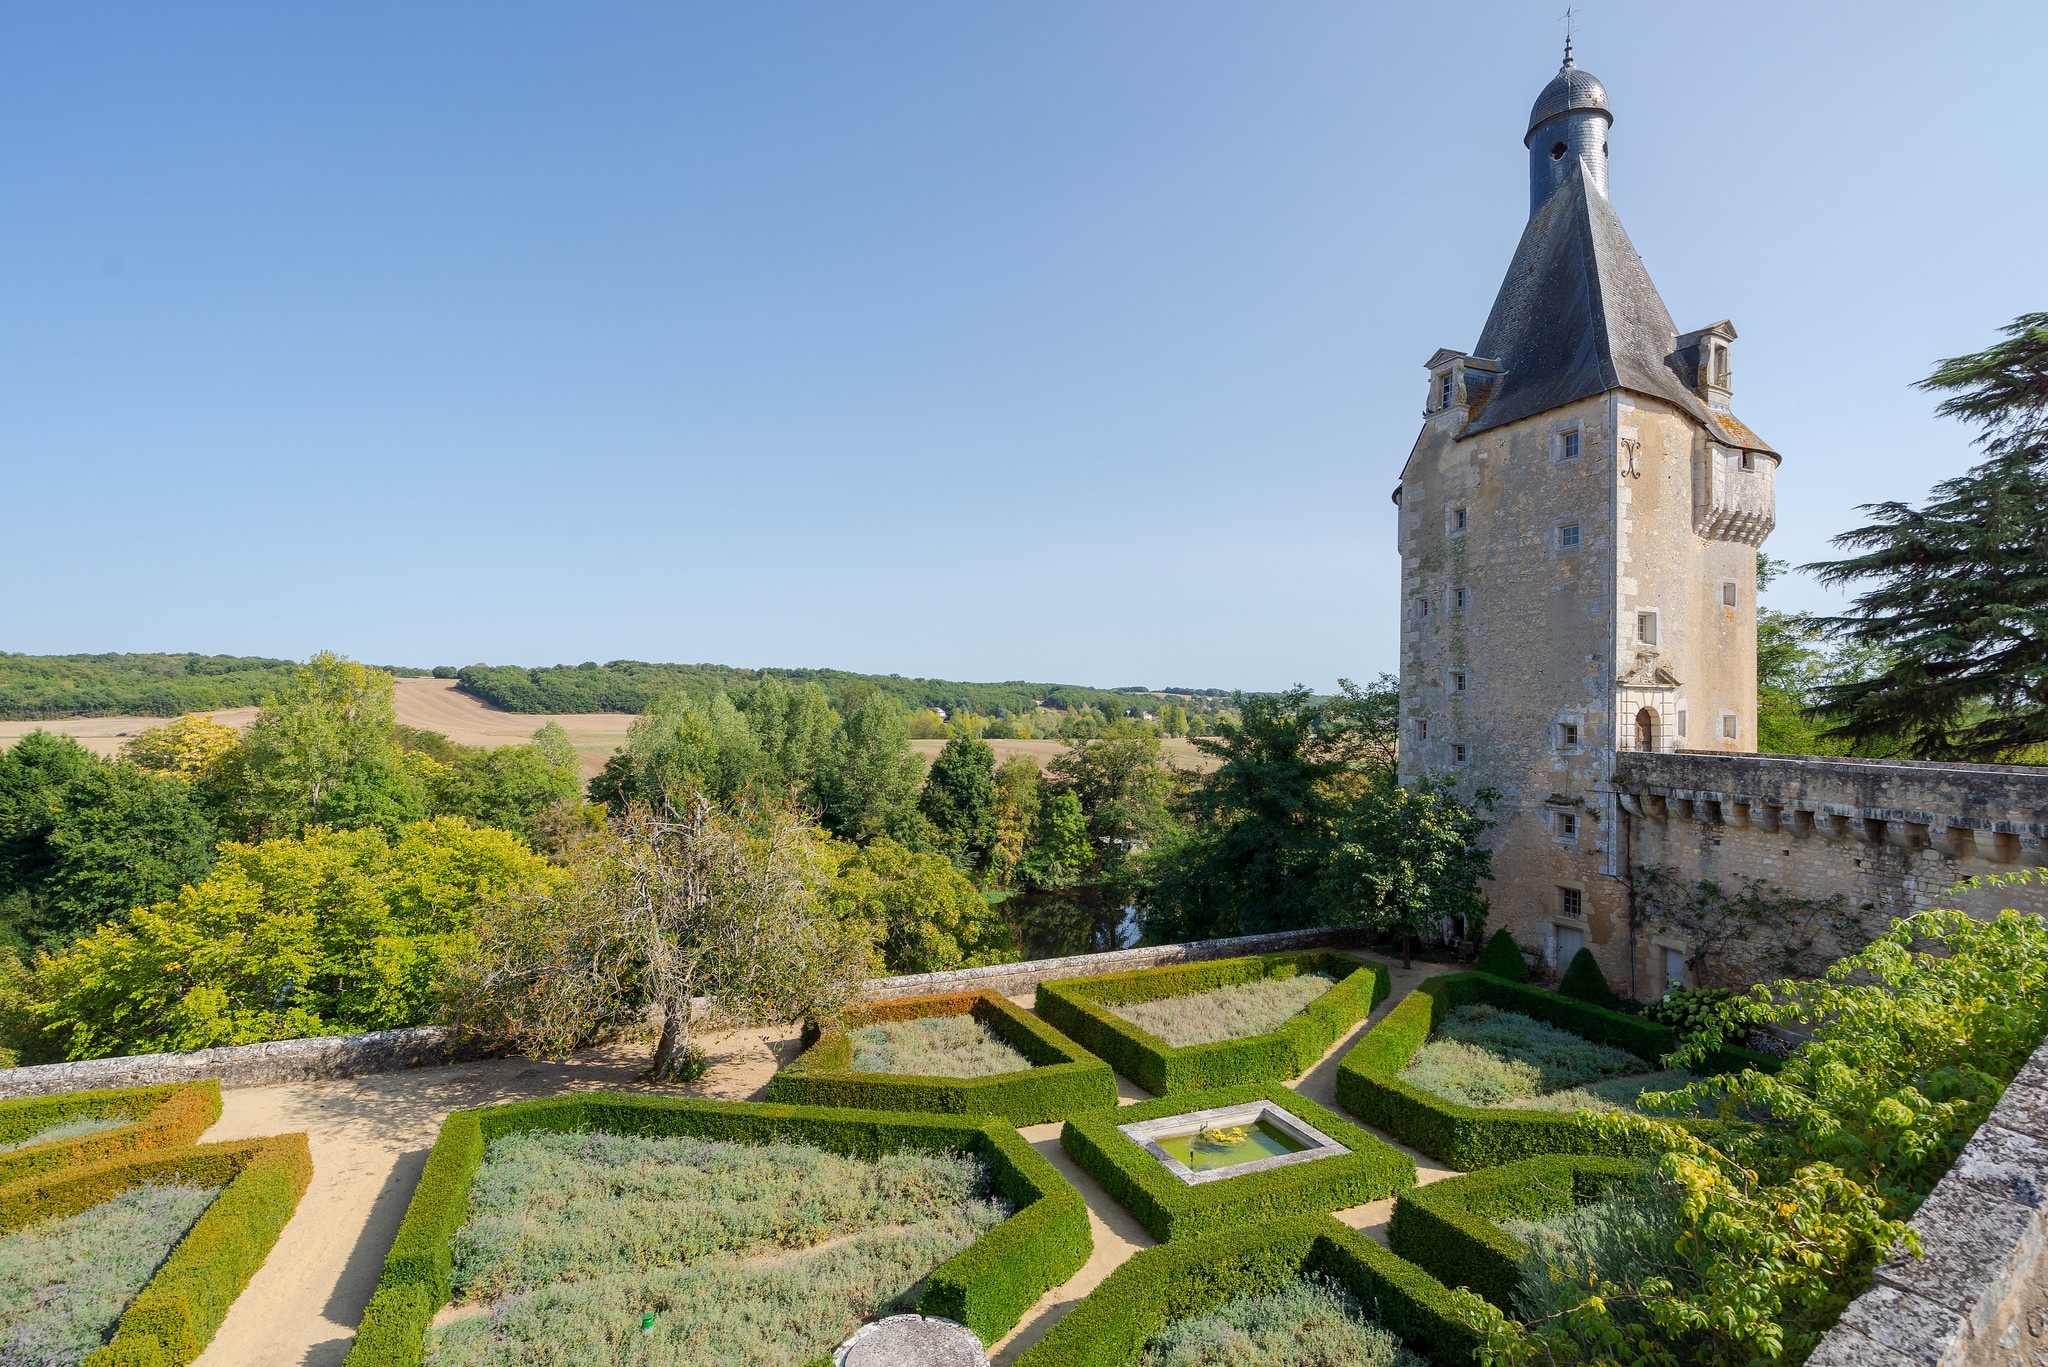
911, 1341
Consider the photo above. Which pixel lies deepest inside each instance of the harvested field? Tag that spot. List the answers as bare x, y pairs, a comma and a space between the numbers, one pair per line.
1223, 1013
1179, 750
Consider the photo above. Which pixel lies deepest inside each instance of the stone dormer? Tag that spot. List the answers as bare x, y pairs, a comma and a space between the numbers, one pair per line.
1458, 384
1701, 359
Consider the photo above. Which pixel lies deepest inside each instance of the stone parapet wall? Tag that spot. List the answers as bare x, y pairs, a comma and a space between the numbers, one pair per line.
1973, 1295
386, 1051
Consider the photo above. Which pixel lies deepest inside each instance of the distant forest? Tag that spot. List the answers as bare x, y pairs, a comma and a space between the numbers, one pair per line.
628, 686
47, 687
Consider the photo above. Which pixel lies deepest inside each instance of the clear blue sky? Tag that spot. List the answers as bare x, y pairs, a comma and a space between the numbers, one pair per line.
1076, 342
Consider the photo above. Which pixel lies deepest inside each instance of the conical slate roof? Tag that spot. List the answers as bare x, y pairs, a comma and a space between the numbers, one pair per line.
1577, 316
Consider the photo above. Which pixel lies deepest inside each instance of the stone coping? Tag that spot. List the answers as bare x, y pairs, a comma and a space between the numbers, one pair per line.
1146, 1134
387, 1051
1982, 1234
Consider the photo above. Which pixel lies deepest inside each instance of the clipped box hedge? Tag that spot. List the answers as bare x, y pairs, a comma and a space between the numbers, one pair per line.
165, 1116
1447, 1228
173, 1318
1171, 1209
1064, 1078
1186, 1278
1078, 1006
987, 1287
1369, 1081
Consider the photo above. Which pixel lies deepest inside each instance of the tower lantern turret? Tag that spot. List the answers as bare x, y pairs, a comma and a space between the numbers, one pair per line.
1567, 125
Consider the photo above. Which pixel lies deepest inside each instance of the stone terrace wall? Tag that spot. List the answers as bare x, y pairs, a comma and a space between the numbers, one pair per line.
1891, 835
1974, 1295
385, 1051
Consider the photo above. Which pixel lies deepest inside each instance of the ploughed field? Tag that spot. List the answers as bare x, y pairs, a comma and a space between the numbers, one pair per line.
1235, 1012
592, 1248
1484, 1056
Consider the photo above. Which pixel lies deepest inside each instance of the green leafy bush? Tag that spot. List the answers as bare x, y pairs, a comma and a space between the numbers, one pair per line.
1369, 1083
1451, 1229
1712, 1014
1583, 981
1083, 1009
1503, 959
1171, 1209
168, 1115
1190, 1277
174, 1317
988, 1287
1064, 1079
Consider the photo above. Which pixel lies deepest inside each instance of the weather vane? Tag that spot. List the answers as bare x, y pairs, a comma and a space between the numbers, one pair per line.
1570, 17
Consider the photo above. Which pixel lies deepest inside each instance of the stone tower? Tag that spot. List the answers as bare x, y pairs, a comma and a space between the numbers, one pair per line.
1579, 521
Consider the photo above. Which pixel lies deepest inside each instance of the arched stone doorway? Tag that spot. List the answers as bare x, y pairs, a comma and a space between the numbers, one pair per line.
1646, 729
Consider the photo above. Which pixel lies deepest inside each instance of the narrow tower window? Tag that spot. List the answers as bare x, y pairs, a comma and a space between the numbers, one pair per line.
1646, 628
1557, 151
1727, 593
1458, 599
1568, 537
1571, 445
1457, 681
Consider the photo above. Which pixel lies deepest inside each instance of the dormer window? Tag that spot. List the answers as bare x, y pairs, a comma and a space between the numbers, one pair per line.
1721, 366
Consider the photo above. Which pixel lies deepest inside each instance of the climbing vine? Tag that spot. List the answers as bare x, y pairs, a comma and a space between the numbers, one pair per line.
1736, 938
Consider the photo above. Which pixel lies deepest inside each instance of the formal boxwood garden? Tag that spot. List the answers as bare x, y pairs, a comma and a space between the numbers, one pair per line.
1450, 1229
1171, 1209
1064, 1078
1080, 1008
1187, 1277
176, 1314
1369, 1083
41, 1134
988, 1287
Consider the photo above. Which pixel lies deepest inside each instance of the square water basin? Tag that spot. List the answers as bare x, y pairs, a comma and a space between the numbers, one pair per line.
1207, 1146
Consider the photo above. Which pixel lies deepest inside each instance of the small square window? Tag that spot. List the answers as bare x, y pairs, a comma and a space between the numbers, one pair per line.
1646, 628
1567, 826
1457, 752
1422, 607
1568, 537
1728, 726
1457, 681
1571, 445
1567, 734
1421, 730
1571, 903
1458, 599
1727, 593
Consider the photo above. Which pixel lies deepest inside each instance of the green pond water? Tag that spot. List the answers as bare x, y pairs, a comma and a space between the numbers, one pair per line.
1263, 1139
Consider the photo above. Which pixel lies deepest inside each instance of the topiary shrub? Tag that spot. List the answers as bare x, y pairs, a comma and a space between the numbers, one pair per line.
1584, 981
1502, 957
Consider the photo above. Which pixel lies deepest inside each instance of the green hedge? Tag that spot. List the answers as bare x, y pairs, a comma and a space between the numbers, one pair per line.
1369, 1083
173, 1318
165, 1116
988, 1287
1078, 1007
1171, 1209
1180, 1280
1447, 1228
1064, 1078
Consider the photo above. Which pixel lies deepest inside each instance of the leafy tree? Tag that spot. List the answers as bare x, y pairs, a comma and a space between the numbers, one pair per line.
1173, 719
1019, 798
724, 904
959, 799
510, 786
1960, 586
324, 751
1061, 850
927, 916
1302, 825
794, 728
1121, 781
197, 749
871, 785
34, 774
329, 932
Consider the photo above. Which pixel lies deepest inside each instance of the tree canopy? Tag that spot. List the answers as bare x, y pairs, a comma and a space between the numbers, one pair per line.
1958, 589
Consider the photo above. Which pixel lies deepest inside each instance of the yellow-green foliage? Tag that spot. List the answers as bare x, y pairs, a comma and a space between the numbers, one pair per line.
928, 916
162, 1117
331, 932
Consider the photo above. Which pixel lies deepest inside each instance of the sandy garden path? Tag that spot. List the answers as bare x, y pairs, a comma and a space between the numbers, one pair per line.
370, 1138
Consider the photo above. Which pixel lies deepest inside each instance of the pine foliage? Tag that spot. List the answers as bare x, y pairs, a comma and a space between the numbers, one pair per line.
1960, 594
